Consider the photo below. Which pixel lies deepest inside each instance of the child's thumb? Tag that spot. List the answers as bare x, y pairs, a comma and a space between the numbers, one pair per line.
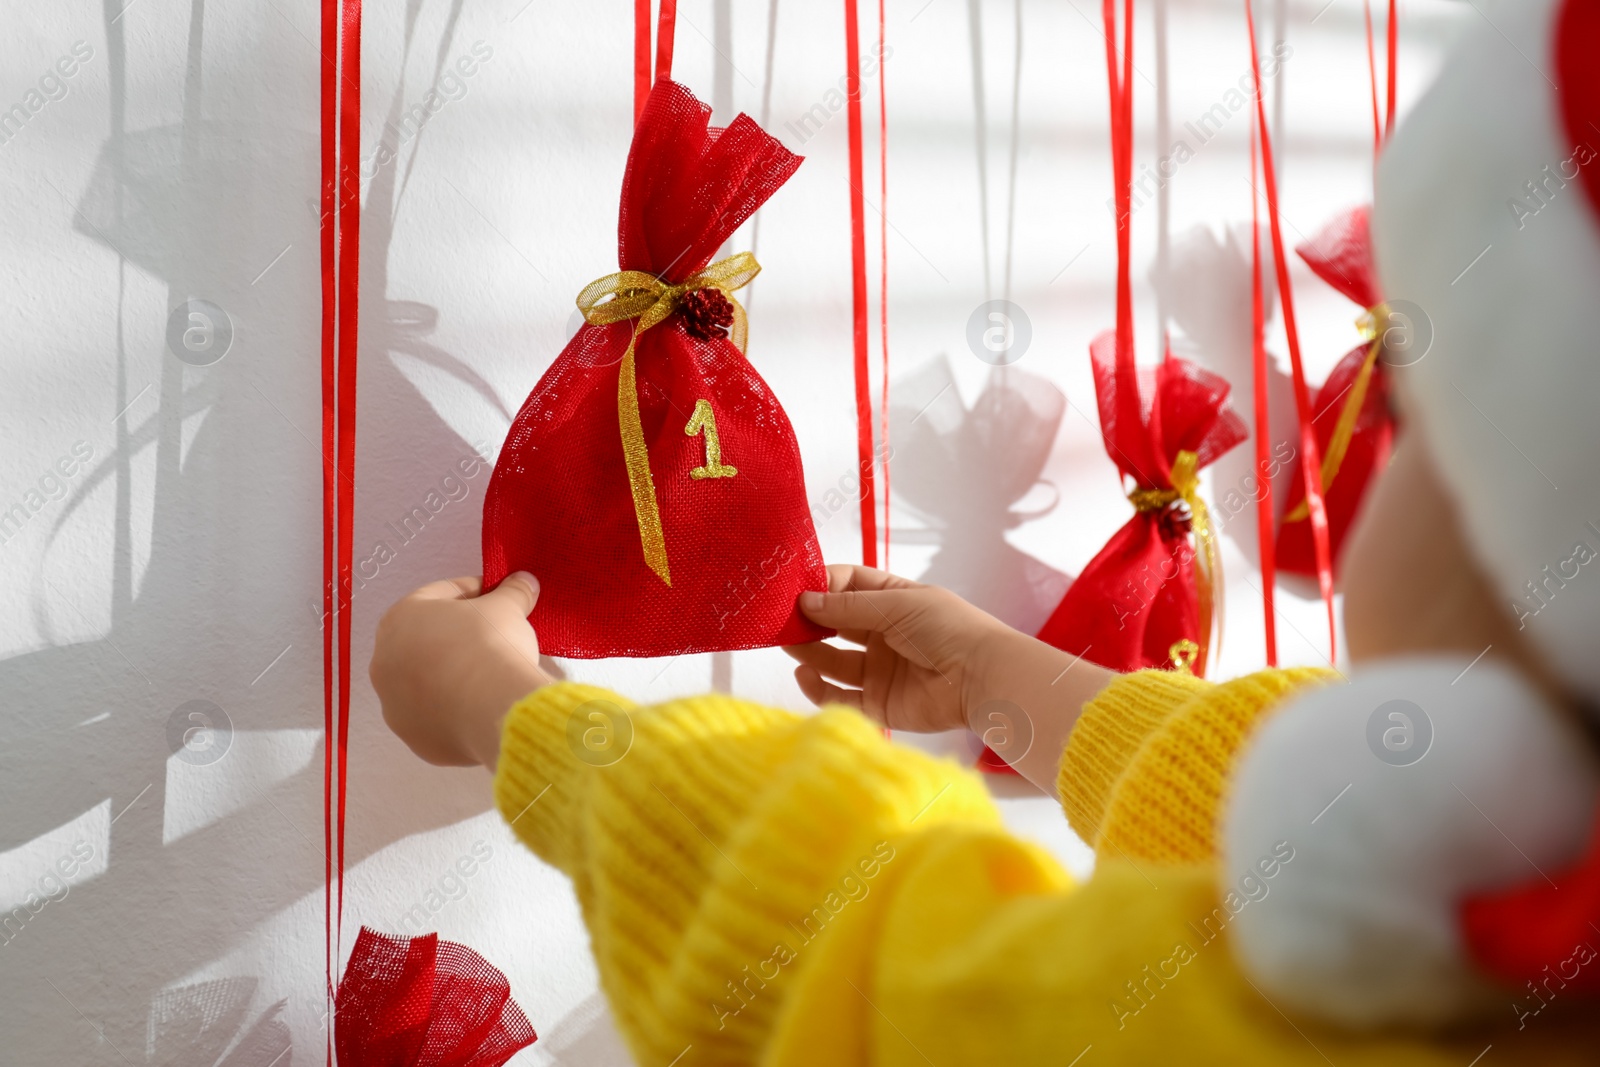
520, 589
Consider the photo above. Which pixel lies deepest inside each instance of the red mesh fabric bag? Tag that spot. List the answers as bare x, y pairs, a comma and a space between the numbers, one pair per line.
1356, 395
422, 1002
1150, 587
651, 481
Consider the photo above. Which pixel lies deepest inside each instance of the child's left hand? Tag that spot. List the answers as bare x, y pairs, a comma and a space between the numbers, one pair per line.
448, 664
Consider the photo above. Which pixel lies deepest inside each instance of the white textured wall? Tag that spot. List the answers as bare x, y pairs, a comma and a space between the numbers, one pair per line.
167, 550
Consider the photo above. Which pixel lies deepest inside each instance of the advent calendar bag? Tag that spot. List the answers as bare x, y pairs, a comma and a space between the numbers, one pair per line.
651, 482
1354, 423
1149, 597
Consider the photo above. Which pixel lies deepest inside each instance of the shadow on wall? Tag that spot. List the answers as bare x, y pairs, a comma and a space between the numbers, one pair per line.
197, 1025
586, 1036
223, 610
962, 472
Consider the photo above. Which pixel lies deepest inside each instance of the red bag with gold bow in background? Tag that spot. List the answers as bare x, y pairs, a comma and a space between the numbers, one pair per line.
1146, 600
1353, 422
651, 481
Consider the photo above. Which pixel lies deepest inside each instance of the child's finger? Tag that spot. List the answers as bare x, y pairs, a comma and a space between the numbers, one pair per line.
855, 637
451, 589
843, 577
518, 588
872, 611
845, 665
820, 692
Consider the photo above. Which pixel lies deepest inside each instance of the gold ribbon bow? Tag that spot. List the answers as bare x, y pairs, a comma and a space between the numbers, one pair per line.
1208, 573
633, 294
1372, 324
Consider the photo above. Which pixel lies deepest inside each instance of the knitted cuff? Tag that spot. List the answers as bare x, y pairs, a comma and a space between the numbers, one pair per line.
549, 739
1165, 806
1108, 733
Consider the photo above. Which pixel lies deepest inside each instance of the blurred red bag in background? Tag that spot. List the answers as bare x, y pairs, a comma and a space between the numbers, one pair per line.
651, 481
1351, 413
1147, 598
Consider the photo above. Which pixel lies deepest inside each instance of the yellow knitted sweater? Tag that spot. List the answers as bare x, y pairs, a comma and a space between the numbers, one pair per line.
765, 888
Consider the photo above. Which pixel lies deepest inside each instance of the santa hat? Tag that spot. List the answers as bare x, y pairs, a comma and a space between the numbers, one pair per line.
1488, 223
1489, 220
1487, 237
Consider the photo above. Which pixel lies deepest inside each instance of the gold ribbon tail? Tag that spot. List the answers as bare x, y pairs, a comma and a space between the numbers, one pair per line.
637, 455
1208, 562
1208, 581
632, 294
1344, 430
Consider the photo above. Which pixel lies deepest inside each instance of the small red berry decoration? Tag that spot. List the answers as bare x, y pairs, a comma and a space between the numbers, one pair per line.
707, 313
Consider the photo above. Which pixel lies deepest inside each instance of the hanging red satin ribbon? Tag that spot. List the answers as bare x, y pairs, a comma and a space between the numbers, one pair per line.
1310, 454
1372, 80
1391, 43
1381, 129
883, 271
340, 246
1266, 536
641, 57
666, 33
858, 289
1121, 92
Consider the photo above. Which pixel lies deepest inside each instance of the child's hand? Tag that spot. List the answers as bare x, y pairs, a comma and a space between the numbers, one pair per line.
922, 644
448, 664
931, 662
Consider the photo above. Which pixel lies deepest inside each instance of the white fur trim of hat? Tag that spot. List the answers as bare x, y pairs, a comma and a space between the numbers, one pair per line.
1402, 793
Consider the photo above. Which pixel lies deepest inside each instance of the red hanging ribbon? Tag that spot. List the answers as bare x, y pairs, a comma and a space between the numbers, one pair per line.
641, 57
1392, 45
1121, 92
1310, 454
883, 272
340, 245
666, 32
1265, 535
1372, 80
858, 289
1381, 130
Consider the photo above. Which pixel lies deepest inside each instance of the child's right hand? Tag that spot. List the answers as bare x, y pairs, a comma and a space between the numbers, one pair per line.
923, 649
930, 661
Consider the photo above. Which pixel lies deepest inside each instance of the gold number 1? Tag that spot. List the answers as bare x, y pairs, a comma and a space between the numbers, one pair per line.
703, 419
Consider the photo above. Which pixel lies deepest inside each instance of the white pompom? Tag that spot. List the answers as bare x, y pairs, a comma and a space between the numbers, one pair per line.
1401, 793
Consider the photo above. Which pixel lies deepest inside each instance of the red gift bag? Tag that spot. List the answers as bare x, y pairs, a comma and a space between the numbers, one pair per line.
651, 481
1146, 600
423, 1002
1353, 422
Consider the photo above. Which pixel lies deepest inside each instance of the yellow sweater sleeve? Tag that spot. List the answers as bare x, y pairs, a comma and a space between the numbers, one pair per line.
1145, 770
767, 889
